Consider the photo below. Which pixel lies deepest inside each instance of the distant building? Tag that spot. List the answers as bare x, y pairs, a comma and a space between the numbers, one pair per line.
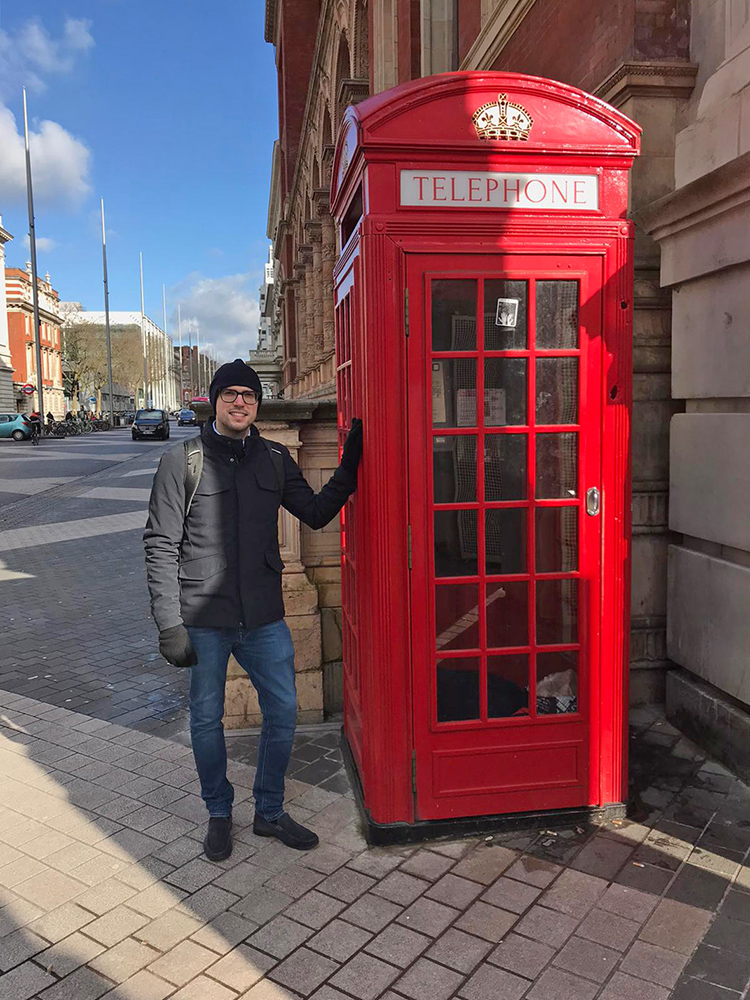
7, 402
197, 371
20, 305
267, 358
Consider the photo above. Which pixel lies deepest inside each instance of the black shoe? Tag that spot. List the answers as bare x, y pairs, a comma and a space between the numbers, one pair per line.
287, 831
218, 842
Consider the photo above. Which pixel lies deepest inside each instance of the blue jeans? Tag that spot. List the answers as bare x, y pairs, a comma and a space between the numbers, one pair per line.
267, 656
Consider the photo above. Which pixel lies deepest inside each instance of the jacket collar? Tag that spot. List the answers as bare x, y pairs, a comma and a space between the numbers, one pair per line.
229, 447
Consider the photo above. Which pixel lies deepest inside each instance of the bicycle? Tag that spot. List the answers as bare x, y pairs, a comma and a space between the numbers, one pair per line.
34, 433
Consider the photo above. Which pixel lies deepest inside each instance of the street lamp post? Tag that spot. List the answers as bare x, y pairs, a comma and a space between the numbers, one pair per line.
32, 248
106, 323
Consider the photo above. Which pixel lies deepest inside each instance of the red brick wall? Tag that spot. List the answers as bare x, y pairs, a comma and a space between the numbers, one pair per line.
298, 29
662, 29
17, 340
469, 25
576, 41
409, 40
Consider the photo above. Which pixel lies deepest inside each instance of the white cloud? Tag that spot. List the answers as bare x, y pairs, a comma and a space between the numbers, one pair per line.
31, 54
226, 310
60, 163
44, 244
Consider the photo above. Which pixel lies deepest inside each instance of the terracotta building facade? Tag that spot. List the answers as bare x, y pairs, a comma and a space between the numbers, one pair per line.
19, 295
679, 68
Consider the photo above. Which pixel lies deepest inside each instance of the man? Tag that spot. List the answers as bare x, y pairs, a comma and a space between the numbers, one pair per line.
214, 574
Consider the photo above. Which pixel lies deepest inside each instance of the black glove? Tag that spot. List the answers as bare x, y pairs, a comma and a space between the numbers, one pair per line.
352, 447
176, 648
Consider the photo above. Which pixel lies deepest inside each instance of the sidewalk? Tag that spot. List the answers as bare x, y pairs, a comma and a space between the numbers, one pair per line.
104, 890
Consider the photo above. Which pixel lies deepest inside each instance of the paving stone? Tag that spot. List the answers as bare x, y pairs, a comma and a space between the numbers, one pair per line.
486, 864
521, 955
48, 843
339, 940
145, 873
98, 869
427, 865
155, 900
59, 923
488, 922
490, 983
69, 954
547, 926
49, 889
623, 987
19, 946
329, 993
83, 984
727, 969
194, 875
168, 930
426, 979
315, 909
602, 857
556, 984
676, 926
347, 885
100, 899
511, 895
241, 968
458, 950
398, 945
267, 990
365, 977
244, 878
454, 891
185, 961
587, 959
296, 881
731, 935
178, 852
279, 937
534, 871
609, 929
428, 916
376, 862
116, 925
645, 879
574, 893
23, 982
204, 988
124, 960
698, 887
657, 965
19, 870
303, 972
224, 932
628, 902
262, 904
207, 903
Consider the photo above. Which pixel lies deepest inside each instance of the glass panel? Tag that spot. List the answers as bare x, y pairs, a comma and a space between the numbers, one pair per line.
455, 542
557, 683
505, 315
454, 314
454, 461
507, 686
556, 539
454, 393
507, 612
556, 466
557, 390
556, 315
505, 467
457, 616
457, 689
504, 391
505, 540
556, 612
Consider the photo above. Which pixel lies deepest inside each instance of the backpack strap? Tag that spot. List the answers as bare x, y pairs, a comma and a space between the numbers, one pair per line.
278, 463
193, 469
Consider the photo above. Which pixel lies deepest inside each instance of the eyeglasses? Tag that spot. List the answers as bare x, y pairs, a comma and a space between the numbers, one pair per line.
249, 397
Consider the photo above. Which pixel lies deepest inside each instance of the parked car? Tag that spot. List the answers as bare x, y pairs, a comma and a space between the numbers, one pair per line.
15, 425
186, 418
151, 423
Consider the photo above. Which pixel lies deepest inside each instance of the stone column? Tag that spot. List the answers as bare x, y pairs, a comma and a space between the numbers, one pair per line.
328, 256
300, 301
7, 402
314, 236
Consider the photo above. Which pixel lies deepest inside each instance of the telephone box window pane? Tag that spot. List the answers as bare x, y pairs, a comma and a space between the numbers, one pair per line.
458, 689
507, 686
454, 393
556, 466
556, 539
556, 315
504, 391
505, 541
507, 610
556, 612
505, 315
454, 314
455, 543
505, 467
454, 462
557, 391
557, 683
457, 616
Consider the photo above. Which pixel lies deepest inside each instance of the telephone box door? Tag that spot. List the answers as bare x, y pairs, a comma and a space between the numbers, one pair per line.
505, 516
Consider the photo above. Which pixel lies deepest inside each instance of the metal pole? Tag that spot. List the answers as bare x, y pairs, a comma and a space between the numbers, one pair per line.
198, 344
167, 373
143, 339
32, 245
190, 352
179, 334
106, 323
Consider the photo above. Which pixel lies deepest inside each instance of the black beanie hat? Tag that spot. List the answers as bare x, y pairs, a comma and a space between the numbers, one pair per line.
235, 372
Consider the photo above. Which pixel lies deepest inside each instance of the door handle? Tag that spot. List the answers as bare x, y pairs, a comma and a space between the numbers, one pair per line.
593, 501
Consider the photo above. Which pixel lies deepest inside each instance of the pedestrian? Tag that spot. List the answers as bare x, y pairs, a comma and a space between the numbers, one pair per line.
214, 575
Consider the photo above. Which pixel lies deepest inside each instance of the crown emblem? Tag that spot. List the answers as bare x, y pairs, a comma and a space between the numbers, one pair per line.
502, 120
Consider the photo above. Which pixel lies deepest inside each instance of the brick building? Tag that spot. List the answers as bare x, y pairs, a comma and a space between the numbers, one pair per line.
7, 402
19, 295
681, 69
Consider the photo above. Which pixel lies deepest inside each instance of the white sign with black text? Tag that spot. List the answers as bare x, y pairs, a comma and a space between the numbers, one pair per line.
480, 189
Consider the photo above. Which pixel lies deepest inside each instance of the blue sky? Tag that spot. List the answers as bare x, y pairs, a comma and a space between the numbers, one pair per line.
168, 110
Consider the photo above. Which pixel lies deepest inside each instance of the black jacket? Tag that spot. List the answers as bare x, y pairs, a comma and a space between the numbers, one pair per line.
221, 567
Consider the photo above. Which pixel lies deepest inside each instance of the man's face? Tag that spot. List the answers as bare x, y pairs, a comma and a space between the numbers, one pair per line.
236, 416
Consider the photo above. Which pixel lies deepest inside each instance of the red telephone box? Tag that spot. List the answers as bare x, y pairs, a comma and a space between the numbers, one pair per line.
484, 299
